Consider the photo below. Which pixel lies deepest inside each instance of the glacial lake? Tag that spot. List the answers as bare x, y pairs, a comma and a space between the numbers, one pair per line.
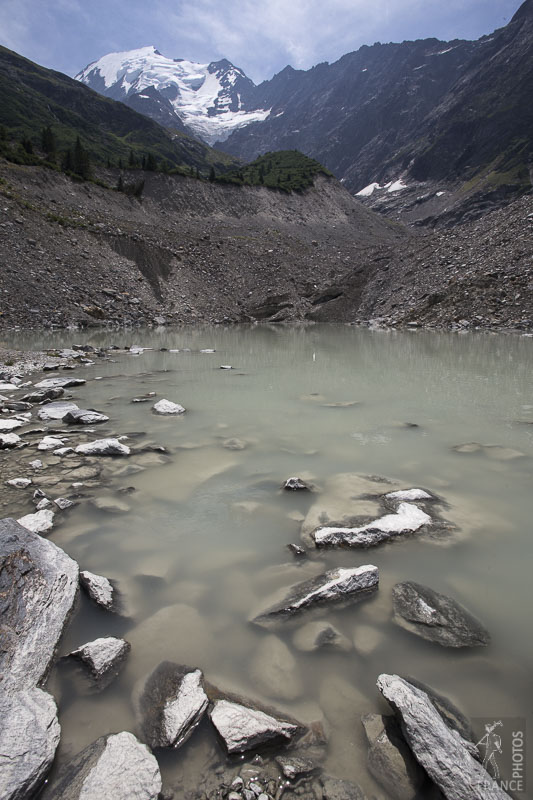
201, 541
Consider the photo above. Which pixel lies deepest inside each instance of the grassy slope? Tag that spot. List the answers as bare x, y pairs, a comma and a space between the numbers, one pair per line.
287, 170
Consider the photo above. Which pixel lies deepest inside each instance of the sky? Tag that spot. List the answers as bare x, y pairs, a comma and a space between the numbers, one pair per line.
260, 36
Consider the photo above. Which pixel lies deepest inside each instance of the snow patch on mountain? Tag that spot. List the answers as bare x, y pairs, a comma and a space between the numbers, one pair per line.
206, 97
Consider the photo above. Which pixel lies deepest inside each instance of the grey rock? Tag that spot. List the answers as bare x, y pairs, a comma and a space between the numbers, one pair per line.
295, 767
336, 586
452, 716
103, 447
436, 617
390, 760
98, 588
296, 485
242, 728
84, 416
168, 408
44, 503
50, 443
59, 383
407, 519
318, 635
63, 503
40, 522
19, 483
171, 704
38, 584
56, 411
336, 789
114, 767
273, 670
296, 550
103, 655
43, 395
29, 735
442, 752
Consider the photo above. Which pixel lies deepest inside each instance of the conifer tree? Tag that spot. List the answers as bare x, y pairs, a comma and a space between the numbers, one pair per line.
131, 160
212, 175
27, 145
67, 163
81, 164
120, 184
151, 163
48, 143
3, 133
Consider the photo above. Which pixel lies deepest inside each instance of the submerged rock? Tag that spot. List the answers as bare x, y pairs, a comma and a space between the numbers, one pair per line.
55, 411
40, 522
171, 704
336, 789
84, 416
114, 767
273, 670
442, 752
319, 635
98, 588
408, 519
242, 728
390, 760
38, 584
295, 767
436, 617
296, 550
341, 585
103, 447
29, 735
102, 656
167, 407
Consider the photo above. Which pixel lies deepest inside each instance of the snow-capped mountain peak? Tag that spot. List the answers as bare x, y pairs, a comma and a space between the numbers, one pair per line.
211, 99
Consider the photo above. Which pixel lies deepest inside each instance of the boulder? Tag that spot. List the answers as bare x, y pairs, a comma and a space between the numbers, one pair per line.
170, 705
12, 424
29, 735
40, 522
9, 440
336, 586
38, 584
442, 752
296, 485
407, 519
56, 411
44, 395
242, 728
98, 588
167, 407
103, 656
390, 760
103, 447
273, 670
59, 383
436, 617
114, 767
295, 767
318, 635
50, 443
84, 416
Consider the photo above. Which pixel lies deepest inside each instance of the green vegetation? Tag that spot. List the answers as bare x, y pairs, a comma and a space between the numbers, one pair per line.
286, 170
44, 114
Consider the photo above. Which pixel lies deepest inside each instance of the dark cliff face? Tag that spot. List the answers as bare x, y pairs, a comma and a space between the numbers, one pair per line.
426, 109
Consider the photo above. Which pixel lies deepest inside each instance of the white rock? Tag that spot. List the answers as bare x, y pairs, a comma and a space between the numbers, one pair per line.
8, 440
98, 588
409, 495
8, 387
40, 522
63, 451
103, 447
11, 424
167, 407
207, 350
57, 410
84, 416
19, 483
36, 463
44, 503
408, 518
102, 654
63, 503
50, 442
244, 728
62, 383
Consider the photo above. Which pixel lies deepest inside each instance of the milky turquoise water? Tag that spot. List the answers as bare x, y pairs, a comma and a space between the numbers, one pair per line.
203, 543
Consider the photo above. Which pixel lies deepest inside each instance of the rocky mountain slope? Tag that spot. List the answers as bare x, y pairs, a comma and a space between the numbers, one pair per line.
191, 251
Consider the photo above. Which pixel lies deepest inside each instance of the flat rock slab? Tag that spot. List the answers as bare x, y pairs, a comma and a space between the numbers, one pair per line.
7, 425
442, 752
170, 704
40, 522
38, 585
29, 735
114, 767
167, 407
99, 589
436, 617
242, 728
84, 416
407, 519
336, 586
103, 656
50, 443
103, 447
43, 395
59, 383
57, 410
